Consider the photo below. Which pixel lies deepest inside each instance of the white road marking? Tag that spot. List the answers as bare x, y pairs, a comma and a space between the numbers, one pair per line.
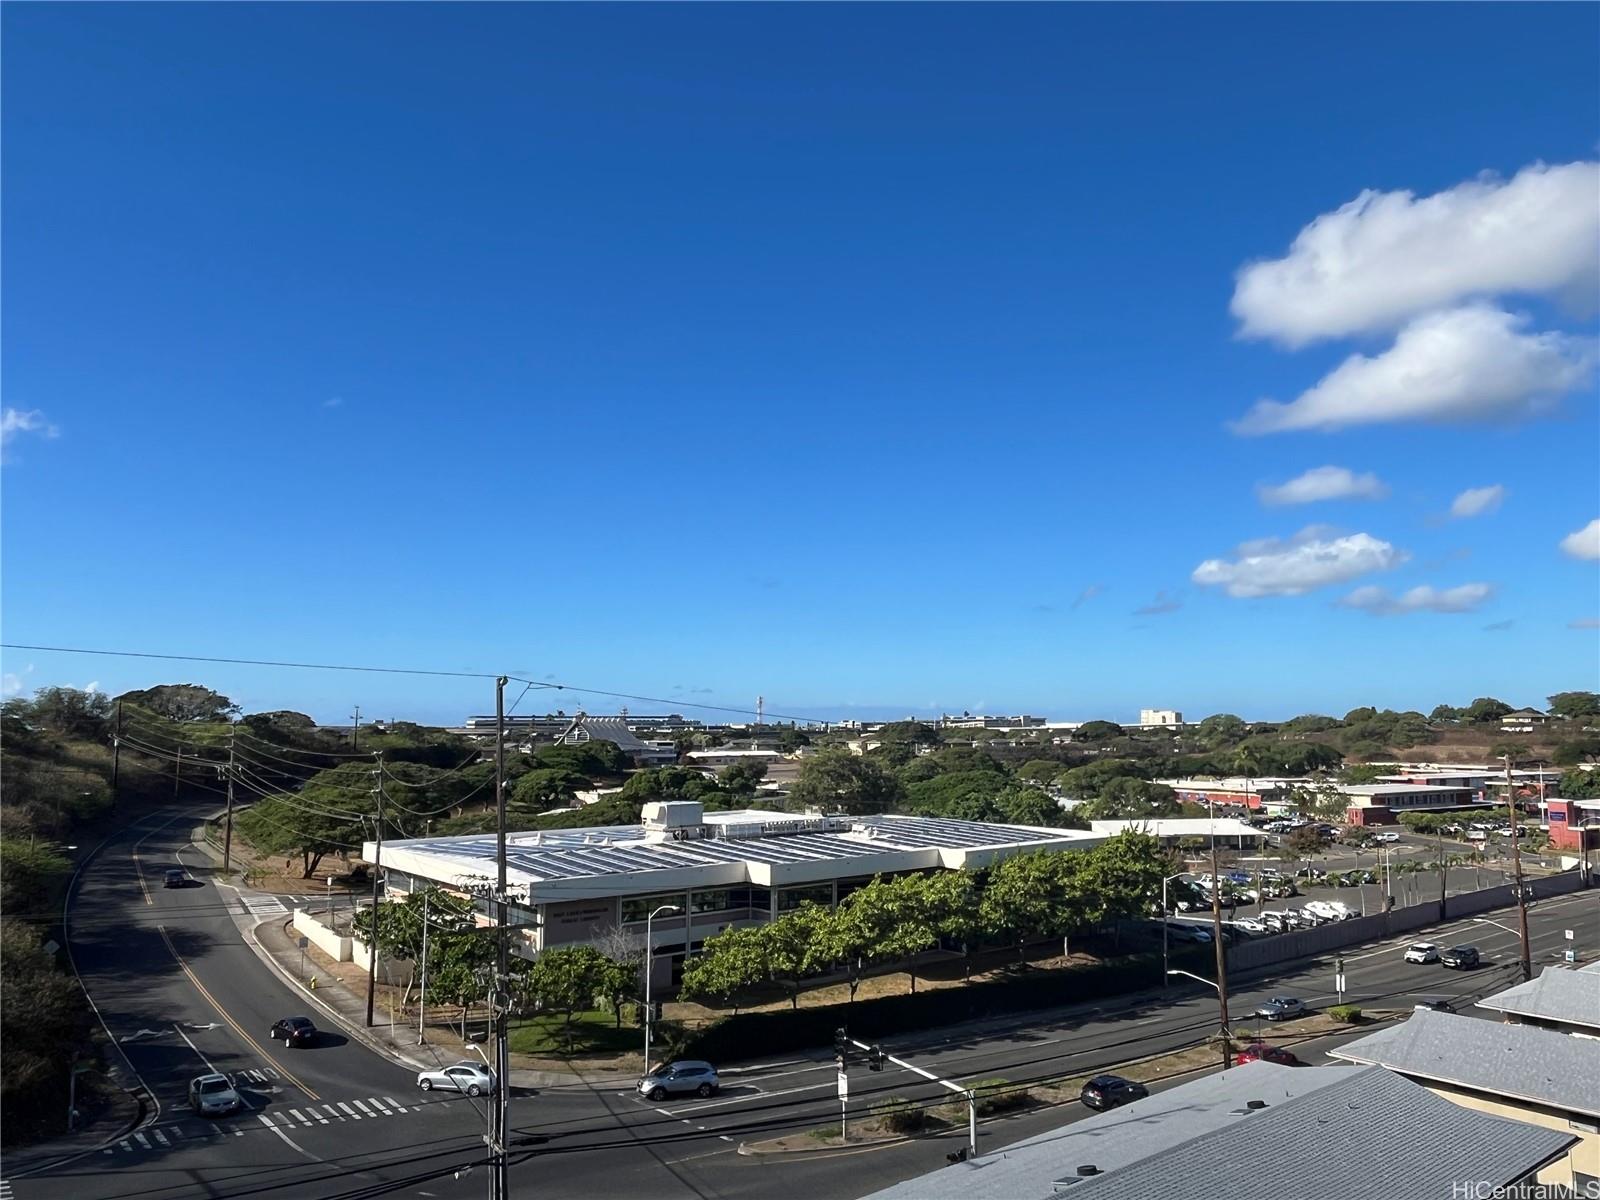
364, 1108
160, 1137
353, 1113
333, 1111
299, 1116
380, 1106
287, 1140
397, 1103
142, 1140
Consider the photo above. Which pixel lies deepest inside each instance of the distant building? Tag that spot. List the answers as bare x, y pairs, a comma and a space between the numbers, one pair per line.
1160, 718
1558, 998
584, 728
1237, 791
968, 721
1382, 803
1573, 824
1524, 720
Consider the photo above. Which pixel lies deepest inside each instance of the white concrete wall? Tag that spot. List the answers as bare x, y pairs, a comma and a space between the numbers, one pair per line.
323, 938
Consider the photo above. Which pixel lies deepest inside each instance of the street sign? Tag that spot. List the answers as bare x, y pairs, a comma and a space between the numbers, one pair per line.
304, 942
1567, 933
844, 1085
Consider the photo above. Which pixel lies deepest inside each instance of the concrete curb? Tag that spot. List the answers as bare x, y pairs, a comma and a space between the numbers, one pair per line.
140, 1112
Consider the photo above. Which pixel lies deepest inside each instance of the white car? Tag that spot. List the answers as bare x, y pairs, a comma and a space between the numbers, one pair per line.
1422, 952
1250, 926
1388, 836
472, 1078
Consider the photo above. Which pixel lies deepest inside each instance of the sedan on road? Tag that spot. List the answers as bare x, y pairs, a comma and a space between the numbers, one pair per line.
1422, 952
472, 1078
1110, 1091
175, 878
684, 1078
295, 1031
1462, 958
1282, 1008
1260, 1051
213, 1096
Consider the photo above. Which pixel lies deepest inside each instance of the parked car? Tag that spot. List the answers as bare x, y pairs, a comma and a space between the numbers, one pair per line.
1110, 1091
294, 1031
1330, 910
1188, 931
1477, 835
1282, 1008
174, 878
1461, 958
686, 1077
467, 1076
1388, 835
1250, 926
213, 1096
1422, 952
1260, 1051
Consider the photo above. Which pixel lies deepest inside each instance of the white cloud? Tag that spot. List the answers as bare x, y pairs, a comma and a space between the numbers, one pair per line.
1465, 364
1468, 597
1476, 502
92, 686
1312, 559
1584, 543
1386, 256
12, 683
14, 421
1323, 483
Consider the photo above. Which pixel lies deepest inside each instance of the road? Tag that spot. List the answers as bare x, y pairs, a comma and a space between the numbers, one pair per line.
182, 993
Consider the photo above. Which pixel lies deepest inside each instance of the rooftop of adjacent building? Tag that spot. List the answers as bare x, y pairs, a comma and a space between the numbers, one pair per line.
1558, 993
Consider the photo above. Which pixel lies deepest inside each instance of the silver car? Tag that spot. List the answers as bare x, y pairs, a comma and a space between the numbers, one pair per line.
466, 1076
683, 1078
1282, 1008
213, 1096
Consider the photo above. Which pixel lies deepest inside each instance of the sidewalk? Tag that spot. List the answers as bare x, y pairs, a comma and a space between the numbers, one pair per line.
121, 1113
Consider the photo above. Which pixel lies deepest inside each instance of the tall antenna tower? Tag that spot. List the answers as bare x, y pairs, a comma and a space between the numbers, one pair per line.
761, 708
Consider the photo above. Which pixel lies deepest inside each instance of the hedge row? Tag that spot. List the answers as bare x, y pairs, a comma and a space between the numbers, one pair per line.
747, 1035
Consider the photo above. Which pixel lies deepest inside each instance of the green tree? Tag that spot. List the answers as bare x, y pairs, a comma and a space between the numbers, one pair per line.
567, 980
183, 702
796, 945
1576, 750
1445, 713
1121, 877
547, 787
1028, 806
1301, 845
70, 712
951, 898
450, 924
1096, 731
1578, 784
1027, 897
912, 733
836, 780
1486, 709
44, 1026
730, 965
1575, 706
31, 876
743, 778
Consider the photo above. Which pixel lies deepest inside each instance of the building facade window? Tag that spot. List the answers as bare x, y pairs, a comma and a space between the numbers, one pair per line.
636, 909
790, 899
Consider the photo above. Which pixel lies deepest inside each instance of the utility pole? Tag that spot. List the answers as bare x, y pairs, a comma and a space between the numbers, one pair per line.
116, 754
1216, 935
227, 828
355, 741
1516, 873
500, 1187
177, 771
422, 995
372, 946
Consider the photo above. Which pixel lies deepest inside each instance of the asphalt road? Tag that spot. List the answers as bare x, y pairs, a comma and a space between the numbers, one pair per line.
182, 992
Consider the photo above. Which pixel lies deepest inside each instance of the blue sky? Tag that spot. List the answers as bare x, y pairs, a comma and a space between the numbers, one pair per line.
870, 358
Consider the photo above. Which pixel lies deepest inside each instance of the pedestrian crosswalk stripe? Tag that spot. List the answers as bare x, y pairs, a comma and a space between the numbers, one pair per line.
379, 1105
160, 1137
396, 1103
333, 1111
353, 1113
365, 1109
142, 1140
299, 1116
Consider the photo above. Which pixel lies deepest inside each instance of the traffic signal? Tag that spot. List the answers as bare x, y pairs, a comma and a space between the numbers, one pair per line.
875, 1057
841, 1042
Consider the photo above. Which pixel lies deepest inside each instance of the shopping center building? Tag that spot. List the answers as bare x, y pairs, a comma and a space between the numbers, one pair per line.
717, 869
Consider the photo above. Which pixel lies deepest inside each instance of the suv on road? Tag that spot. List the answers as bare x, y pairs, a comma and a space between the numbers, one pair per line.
1387, 835
174, 878
1462, 958
295, 1031
1422, 952
1110, 1091
686, 1077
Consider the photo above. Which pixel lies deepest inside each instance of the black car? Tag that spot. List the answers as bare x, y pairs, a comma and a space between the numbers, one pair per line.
295, 1031
175, 878
1462, 958
1109, 1091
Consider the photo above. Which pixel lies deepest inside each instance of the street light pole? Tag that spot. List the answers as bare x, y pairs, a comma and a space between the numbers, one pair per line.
649, 973
1164, 915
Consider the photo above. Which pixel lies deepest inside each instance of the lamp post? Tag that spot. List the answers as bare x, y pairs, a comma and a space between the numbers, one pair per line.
1227, 1057
649, 972
1164, 914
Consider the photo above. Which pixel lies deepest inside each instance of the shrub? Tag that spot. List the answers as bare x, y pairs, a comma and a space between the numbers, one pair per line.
1350, 1014
998, 1095
899, 1115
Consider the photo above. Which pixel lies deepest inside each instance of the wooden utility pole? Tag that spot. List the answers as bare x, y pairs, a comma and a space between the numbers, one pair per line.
116, 753
1516, 874
227, 829
1216, 934
355, 740
177, 771
372, 946
500, 1187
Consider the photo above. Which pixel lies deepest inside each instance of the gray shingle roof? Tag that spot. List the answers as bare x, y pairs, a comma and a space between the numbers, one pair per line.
1523, 1062
1352, 1133
1555, 994
1371, 1136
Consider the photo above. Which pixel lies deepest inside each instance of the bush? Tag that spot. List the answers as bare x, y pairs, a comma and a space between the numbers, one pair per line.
1350, 1014
998, 1096
899, 1115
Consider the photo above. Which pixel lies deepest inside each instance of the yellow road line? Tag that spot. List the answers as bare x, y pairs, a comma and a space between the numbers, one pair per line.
223, 1013
138, 870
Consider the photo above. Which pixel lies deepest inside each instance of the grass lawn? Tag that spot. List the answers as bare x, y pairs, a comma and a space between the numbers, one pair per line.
592, 1033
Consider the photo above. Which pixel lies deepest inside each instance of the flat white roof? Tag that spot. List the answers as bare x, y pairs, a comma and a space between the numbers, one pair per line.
1234, 783
1406, 789
750, 846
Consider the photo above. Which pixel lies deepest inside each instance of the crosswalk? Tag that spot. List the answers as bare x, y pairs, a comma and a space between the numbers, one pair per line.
258, 905
159, 1138
5, 1190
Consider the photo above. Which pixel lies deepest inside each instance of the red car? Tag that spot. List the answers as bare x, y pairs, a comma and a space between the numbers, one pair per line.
1271, 1054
